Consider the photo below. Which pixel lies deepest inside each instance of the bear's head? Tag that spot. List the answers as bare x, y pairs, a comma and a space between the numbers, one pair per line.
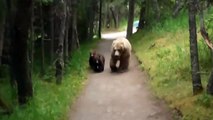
95, 58
117, 49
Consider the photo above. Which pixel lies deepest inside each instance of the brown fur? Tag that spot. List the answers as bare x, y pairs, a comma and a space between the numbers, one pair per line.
123, 48
96, 61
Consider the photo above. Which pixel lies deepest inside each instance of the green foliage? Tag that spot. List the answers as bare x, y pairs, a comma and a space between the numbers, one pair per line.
205, 55
165, 7
164, 52
209, 20
51, 101
171, 24
205, 100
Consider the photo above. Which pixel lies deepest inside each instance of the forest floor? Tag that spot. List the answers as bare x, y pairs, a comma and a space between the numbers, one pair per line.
118, 96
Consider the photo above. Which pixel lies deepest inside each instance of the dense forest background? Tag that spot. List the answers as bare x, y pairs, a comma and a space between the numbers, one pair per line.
45, 44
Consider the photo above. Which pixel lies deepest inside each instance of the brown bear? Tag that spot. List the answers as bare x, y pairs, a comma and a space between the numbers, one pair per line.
96, 61
120, 52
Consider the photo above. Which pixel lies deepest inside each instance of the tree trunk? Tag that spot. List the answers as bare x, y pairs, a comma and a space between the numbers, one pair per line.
142, 15
91, 26
108, 19
10, 21
75, 40
20, 54
210, 84
2, 28
91, 13
32, 39
42, 38
156, 9
66, 40
196, 80
100, 19
130, 18
2, 25
61, 10
52, 32
114, 16
77, 43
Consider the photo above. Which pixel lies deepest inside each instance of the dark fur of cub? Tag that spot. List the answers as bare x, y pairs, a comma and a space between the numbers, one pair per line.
96, 61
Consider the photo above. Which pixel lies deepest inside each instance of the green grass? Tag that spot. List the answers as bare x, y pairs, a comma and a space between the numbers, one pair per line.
51, 101
164, 52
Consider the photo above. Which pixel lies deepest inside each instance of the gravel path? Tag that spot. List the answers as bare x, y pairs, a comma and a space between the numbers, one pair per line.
118, 96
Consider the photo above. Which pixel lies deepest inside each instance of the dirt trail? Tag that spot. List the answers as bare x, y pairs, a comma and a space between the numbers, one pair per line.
118, 96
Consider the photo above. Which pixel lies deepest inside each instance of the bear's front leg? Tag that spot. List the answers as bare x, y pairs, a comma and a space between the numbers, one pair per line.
113, 65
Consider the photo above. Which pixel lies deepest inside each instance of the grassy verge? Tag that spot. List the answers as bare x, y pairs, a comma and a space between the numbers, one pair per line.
164, 52
51, 101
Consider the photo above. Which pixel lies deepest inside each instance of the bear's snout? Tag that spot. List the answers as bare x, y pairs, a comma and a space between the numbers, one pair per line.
117, 53
97, 61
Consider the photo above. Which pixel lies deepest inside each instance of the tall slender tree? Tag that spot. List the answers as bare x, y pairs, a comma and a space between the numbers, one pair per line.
2, 25
61, 9
69, 21
130, 18
32, 38
66, 38
100, 19
196, 79
114, 14
20, 50
142, 14
91, 13
156, 9
42, 38
75, 40
52, 31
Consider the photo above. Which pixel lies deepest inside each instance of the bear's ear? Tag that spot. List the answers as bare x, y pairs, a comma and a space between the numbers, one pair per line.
113, 46
122, 46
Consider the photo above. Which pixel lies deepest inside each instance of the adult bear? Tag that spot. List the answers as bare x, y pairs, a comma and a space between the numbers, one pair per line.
120, 51
96, 61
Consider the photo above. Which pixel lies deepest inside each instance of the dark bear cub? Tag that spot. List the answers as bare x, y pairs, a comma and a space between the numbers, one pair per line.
96, 61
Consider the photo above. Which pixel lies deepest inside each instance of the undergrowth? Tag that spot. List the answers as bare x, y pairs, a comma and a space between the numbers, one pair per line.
164, 52
51, 101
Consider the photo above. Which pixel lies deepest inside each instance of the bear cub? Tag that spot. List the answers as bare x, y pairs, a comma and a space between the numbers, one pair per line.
96, 61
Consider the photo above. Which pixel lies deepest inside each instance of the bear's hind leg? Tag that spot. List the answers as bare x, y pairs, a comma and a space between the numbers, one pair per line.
124, 64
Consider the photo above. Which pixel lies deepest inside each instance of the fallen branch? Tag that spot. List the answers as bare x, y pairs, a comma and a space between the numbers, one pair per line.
203, 31
206, 38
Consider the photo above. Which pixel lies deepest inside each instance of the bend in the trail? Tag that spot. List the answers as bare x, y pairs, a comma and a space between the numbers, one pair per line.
114, 35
